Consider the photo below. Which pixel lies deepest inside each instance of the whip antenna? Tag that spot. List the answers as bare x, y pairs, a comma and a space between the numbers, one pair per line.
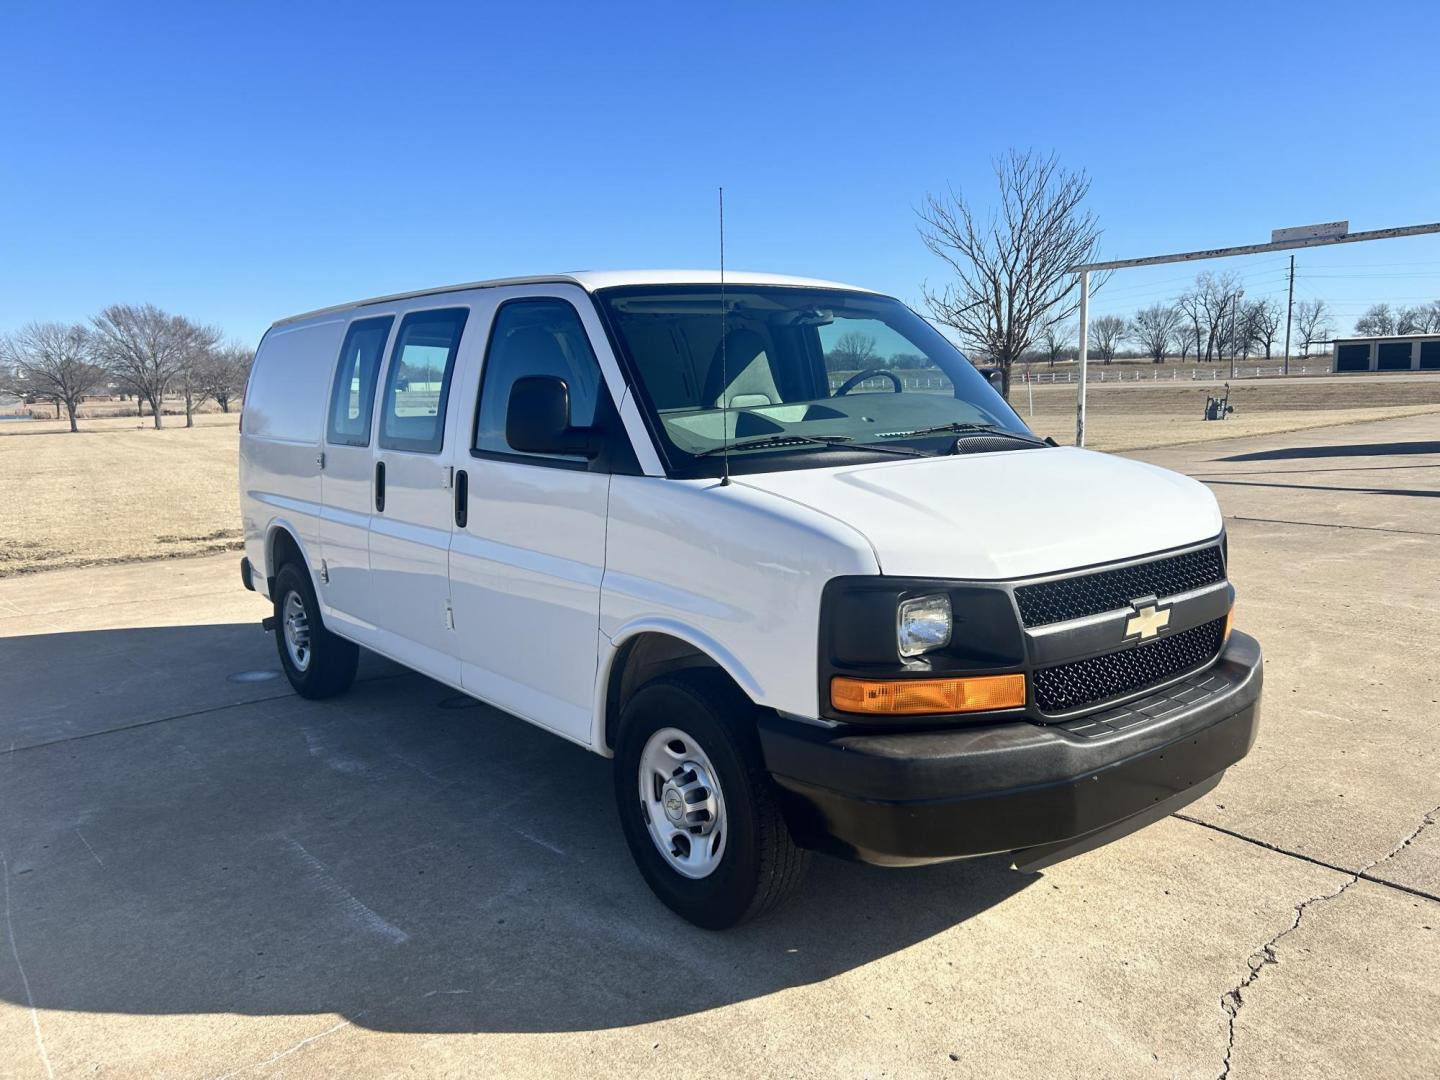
724, 361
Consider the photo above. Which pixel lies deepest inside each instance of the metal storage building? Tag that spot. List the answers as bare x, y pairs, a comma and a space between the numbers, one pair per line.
1403, 352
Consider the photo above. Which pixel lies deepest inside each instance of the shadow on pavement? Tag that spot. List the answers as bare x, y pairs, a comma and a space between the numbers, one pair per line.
388, 856
1350, 450
1414, 493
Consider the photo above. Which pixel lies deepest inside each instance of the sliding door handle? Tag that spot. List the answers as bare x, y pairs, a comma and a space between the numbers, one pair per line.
462, 498
379, 487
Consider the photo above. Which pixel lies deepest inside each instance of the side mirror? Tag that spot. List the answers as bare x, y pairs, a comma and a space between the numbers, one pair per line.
537, 419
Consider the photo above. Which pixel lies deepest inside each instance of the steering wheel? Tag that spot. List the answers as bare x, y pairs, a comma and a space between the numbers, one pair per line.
860, 376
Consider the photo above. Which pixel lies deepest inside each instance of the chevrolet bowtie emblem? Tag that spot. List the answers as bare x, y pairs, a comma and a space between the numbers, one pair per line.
1147, 621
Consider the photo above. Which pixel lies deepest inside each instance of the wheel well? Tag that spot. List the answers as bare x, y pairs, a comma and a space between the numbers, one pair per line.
642, 658
283, 549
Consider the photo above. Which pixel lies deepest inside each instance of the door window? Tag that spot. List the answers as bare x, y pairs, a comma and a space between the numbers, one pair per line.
352, 398
535, 337
417, 385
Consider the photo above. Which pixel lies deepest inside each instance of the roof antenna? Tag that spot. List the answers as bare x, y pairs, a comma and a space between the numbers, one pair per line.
724, 361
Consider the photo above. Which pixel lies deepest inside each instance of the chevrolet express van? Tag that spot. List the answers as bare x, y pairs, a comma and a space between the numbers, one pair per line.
772, 544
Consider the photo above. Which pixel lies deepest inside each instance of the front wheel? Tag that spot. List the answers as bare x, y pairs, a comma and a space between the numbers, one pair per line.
698, 809
317, 663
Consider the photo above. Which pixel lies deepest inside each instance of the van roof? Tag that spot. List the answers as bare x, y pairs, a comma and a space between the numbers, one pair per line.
591, 280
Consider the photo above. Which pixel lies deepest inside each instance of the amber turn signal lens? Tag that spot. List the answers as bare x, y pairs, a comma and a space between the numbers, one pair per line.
1229, 624
910, 697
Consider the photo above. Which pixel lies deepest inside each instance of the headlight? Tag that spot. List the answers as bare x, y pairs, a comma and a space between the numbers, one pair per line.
923, 624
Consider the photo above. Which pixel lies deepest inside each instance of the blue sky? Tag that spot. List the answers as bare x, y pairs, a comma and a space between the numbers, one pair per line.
241, 162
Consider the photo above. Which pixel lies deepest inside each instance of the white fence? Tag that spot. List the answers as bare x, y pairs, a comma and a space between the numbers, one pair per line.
1159, 374
1098, 374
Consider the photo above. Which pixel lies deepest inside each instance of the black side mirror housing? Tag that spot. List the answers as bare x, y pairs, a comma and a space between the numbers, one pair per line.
537, 419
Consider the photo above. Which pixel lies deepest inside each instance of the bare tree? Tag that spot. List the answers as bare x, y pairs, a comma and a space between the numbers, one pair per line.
1108, 331
1182, 336
1218, 297
1424, 319
1012, 269
854, 351
1193, 311
193, 376
1055, 339
1379, 321
1262, 319
147, 349
52, 361
224, 374
1312, 324
1154, 328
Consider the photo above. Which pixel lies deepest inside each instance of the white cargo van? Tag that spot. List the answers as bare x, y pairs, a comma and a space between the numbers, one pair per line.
772, 544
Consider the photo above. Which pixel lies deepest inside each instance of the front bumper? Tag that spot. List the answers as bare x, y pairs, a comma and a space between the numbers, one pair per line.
899, 798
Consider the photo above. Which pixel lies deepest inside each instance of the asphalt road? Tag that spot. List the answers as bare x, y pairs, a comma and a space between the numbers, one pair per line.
205, 875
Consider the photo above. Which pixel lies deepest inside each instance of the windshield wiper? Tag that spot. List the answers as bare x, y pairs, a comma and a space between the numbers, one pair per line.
775, 440
833, 441
957, 428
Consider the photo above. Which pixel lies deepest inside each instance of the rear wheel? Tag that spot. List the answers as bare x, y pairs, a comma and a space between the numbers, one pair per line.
318, 663
699, 811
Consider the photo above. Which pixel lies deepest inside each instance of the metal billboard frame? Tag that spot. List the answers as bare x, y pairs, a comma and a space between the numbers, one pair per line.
1304, 236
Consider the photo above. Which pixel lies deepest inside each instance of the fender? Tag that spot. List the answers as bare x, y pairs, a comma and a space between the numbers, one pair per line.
278, 525
700, 641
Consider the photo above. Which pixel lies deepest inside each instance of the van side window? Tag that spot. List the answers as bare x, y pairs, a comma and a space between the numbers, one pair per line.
352, 398
535, 337
417, 385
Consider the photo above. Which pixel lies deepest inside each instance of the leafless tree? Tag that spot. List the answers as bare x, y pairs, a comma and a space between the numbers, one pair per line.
1154, 328
1379, 321
1183, 336
1108, 331
53, 361
224, 374
1192, 310
1424, 319
1055, 339
1012, 267
1312, 324
1217, 297
146, 349
194, 376
854, 351
1263, 318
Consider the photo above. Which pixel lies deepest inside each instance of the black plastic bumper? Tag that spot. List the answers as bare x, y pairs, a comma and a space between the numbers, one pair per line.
921, 796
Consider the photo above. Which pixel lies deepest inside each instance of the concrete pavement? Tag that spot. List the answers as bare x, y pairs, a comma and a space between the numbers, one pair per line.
205, 875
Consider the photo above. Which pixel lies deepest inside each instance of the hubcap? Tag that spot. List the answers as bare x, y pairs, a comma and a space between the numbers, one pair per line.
296, 625
682, 804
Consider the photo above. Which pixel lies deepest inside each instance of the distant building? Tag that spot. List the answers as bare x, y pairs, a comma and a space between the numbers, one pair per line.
1403, 352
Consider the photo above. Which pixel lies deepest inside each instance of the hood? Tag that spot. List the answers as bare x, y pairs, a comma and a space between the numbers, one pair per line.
1012, 514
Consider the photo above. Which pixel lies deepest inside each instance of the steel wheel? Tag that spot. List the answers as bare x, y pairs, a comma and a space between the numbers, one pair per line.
296, 626
681, 800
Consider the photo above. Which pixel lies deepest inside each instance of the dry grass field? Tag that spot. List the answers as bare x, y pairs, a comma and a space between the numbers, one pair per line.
119, 490
1135, 416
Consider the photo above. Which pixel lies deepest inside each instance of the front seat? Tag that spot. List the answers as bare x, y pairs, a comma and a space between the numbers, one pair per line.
747, 365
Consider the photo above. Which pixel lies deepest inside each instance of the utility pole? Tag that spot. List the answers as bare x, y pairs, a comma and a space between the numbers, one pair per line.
1289, 310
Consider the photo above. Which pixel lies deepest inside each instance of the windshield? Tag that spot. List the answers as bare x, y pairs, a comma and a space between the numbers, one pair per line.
793, 372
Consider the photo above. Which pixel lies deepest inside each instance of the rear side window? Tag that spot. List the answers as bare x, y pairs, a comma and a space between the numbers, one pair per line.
535, 337
417, 384
352, 398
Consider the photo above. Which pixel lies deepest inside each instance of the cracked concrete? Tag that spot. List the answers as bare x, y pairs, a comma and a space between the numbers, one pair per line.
164, 929
1233, 1000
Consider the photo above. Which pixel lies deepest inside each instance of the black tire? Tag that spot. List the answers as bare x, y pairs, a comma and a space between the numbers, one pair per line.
759, 866
329, 667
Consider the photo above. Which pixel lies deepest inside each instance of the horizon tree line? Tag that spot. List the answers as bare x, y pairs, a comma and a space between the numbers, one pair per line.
137, 348
1213, 322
